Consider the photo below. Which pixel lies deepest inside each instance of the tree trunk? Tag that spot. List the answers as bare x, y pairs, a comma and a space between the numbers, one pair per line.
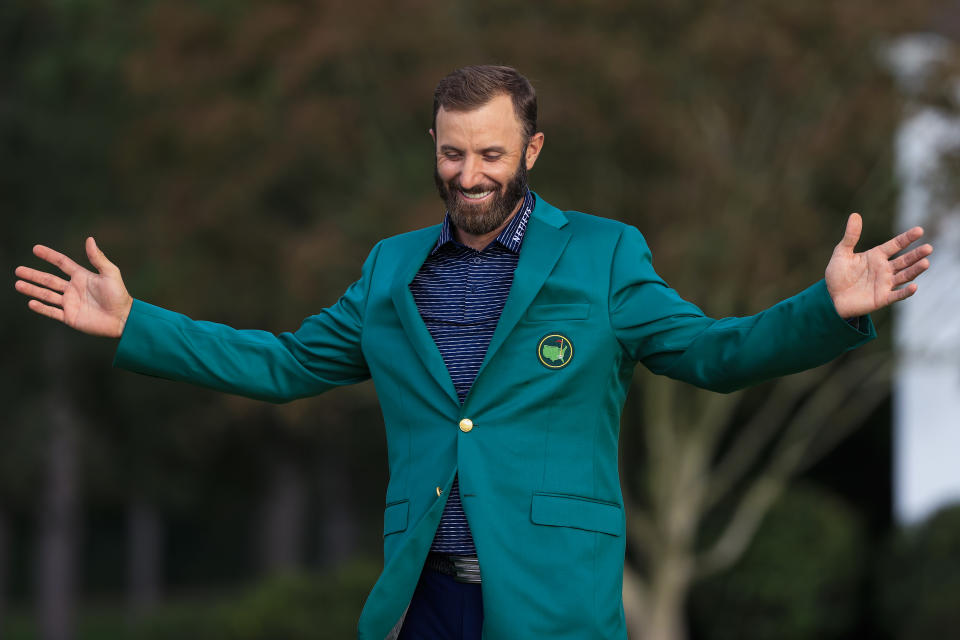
338, 525
635, 601
685, 483
145, 552
283, 519
666, 606
56, 550
4, 565
57, 539
680, 450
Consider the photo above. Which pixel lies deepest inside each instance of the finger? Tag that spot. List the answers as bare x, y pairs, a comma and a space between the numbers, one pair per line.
45, 310
48, 280
899, 243
910, 273
97, 258
901, 294
57, 259
908, 259
852, 234
32, 290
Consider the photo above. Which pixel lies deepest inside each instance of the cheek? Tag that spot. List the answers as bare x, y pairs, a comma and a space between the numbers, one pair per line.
446, 169
500, 174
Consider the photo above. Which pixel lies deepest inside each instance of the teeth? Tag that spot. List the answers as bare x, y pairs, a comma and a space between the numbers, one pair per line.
476, 196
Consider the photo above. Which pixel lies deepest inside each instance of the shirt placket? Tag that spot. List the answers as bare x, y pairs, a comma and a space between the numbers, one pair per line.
472, 312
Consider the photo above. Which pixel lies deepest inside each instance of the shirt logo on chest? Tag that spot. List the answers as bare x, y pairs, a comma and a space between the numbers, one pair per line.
555, 351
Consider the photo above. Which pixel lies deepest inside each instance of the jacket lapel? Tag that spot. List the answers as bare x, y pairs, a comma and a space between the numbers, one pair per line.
410, 317
543, 244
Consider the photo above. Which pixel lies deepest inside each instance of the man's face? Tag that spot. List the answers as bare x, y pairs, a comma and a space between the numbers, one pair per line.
482, 162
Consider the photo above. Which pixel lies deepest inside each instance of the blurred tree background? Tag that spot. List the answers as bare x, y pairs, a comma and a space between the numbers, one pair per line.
238, 159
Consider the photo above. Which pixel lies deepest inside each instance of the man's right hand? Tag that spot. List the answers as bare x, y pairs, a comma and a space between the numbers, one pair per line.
95, 303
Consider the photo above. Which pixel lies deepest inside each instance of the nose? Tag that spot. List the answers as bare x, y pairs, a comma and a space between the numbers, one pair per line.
471, 175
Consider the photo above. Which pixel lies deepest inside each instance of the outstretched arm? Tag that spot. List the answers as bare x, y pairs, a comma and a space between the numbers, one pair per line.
673, 337
325, 352
861, 283
95, 303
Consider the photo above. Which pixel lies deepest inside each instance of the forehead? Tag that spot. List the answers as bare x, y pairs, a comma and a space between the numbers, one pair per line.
493, 123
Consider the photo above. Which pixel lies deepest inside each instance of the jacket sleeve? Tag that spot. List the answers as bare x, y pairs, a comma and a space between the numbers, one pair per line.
673, 337
323, 353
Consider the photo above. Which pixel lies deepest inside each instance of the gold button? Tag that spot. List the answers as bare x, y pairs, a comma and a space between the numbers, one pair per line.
439, 491
466, 424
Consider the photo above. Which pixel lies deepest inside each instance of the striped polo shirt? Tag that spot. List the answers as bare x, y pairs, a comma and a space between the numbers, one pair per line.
460, 293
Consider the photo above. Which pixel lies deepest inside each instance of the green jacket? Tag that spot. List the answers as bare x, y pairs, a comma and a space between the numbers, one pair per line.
538, 470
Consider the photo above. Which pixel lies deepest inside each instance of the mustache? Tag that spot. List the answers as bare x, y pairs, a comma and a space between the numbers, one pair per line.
493, 186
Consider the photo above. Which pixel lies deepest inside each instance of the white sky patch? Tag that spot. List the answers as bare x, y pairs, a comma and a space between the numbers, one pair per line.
926, 404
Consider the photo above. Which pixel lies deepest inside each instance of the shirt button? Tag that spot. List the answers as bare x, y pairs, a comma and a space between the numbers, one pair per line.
476, 261
466, 424
439, 491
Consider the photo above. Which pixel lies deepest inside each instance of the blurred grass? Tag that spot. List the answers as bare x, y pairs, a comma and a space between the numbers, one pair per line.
286, 607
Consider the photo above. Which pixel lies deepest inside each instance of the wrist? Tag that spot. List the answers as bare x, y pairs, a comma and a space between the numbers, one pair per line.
843, 310
124, 314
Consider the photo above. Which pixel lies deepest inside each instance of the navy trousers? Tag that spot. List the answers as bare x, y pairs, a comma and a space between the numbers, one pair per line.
443, 609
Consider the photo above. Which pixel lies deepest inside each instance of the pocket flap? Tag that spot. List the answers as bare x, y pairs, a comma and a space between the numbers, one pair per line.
395, 517
563, 510
569, 311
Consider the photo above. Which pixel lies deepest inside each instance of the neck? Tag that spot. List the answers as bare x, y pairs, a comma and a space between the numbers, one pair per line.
480, 242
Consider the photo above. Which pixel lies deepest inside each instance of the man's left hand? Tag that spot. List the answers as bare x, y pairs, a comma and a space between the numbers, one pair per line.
861, 283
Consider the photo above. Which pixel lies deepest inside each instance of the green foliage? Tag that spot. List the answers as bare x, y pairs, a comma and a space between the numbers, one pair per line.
291, 607
288, 607
919, 580
799, 580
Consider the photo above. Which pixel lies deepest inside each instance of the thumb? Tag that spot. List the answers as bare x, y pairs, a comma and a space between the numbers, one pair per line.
97, 257
852, 235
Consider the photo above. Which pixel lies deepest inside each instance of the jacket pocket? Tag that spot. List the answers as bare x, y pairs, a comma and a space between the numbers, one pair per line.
395, 517
571, 311
578, 512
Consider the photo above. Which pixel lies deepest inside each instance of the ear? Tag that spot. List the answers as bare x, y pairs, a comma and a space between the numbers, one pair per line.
433, 136
533, 149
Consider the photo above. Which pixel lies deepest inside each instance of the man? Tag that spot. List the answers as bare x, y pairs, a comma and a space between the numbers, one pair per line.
502, 344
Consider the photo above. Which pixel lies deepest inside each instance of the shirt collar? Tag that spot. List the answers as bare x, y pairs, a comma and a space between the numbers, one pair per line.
512, 235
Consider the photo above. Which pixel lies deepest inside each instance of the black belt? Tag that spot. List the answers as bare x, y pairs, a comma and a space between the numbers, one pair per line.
462, 568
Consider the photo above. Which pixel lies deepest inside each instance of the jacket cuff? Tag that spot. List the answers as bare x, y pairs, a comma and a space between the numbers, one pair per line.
856, 330
136, 334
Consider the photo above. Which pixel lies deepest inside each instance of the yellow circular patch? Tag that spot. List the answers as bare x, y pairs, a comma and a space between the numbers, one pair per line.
555, 351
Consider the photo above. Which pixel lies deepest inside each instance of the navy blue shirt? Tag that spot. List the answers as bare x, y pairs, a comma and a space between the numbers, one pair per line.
460, 293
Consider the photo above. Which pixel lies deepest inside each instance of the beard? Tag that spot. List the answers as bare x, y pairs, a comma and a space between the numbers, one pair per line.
477, 219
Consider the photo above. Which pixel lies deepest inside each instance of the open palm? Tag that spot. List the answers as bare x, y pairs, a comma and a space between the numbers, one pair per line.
95, 303
861, 283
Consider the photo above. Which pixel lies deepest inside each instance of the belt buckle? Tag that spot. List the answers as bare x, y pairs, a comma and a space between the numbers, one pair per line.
466, 569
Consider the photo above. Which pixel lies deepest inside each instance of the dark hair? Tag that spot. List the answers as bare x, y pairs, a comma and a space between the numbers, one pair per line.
472, 87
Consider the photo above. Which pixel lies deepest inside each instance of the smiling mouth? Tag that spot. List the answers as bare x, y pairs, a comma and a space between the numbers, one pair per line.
480, 195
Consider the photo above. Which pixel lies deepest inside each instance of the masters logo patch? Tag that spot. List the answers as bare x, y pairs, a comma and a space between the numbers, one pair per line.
555, 351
